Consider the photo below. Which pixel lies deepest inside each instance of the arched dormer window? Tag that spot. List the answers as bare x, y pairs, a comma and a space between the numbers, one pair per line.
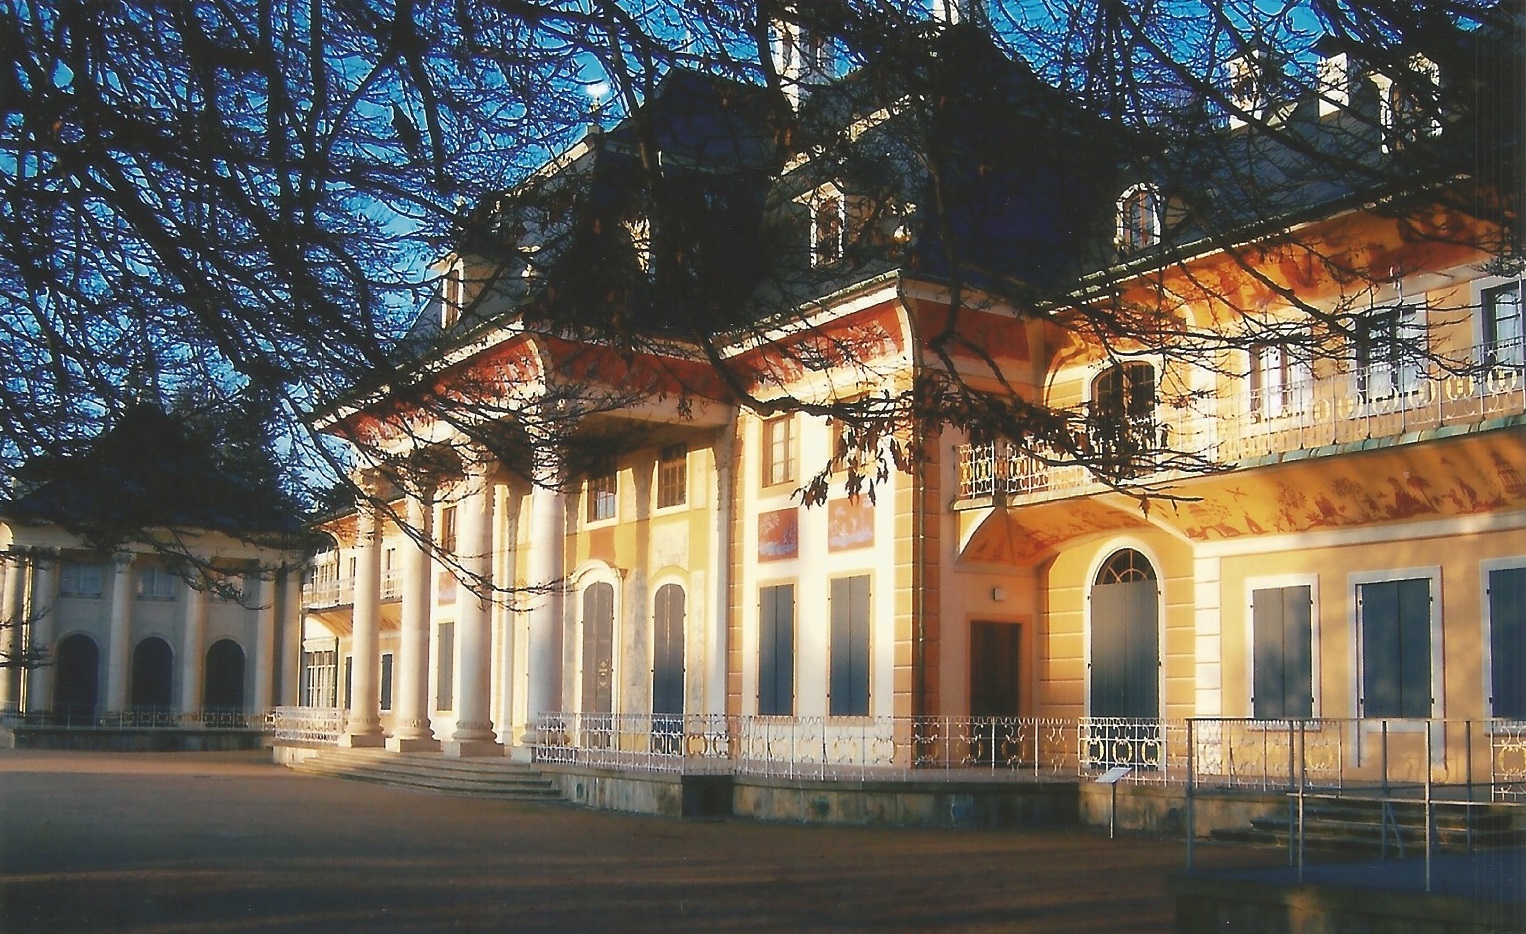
1407, 105
1138, 219
838, 219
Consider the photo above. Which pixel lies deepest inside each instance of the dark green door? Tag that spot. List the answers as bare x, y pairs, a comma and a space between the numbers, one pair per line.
1125, 640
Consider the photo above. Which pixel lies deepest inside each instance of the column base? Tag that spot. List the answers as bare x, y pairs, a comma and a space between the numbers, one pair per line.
471, 749
521, 755
361, 740
412, 744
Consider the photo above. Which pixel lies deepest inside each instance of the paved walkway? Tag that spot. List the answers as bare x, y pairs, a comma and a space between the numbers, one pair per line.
228, 842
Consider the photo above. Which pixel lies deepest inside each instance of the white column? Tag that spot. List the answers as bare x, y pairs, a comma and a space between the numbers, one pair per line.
265, 644
412, 731
363, 725
118, 662
720, 561
474, 734
291, 637
12, 623
193, 650
39, 615
504, 508
548, 526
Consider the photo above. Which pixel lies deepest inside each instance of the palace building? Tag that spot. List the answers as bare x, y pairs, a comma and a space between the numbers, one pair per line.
1317, 513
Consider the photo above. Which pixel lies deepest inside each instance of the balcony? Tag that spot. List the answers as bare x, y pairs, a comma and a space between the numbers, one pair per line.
1324, 416
320, 595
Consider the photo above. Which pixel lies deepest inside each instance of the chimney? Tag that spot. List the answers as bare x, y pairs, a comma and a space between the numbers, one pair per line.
960, 11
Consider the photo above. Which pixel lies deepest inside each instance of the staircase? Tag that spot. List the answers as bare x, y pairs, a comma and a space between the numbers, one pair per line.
1369, 825
478, 778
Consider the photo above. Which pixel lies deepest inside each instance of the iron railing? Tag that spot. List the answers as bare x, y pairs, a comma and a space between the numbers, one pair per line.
306, 726
1244, 424
85, 717
863, 748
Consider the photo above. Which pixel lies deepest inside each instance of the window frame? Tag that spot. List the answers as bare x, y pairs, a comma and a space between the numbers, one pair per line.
77, 587
1282, 582
673, 476
1138, 219
1486, 568
777, 709
777, 450
1383, 329
859, 654
1355, 583
602, 496
154, 583
1487, 333
1292, 388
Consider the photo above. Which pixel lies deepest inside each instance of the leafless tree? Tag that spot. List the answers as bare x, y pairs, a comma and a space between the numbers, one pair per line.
258, 193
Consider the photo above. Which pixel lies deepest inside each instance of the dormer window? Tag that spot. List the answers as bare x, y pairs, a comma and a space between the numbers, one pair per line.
1407, 106
1249, 92
827, 224
639, 229
837, 220
1138, 219
452, 295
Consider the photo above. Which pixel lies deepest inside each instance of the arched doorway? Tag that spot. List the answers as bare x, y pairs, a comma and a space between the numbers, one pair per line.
598, 648
1124, 667
223, 686
76, 679
668, 667
1125, 638
152, 671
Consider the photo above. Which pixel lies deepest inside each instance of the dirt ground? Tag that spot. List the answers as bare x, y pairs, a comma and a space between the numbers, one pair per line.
229, 842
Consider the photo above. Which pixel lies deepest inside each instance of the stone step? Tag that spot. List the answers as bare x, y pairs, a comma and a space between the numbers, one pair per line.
1359, 825
495, 777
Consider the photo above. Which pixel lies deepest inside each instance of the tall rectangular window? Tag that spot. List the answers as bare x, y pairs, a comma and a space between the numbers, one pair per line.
445, 670
1282, 626
386, 681
1503, 333
1507, 642
448, 530
601, 496
1387, 353
1395, 619
778, 450
349, 681
673, 476
79, 579
849, 678
1279, 380
776, 651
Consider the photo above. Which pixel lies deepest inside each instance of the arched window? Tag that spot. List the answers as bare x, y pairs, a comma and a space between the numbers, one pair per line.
1138, 219
1122, 421
152, 670
76, 679
223, 689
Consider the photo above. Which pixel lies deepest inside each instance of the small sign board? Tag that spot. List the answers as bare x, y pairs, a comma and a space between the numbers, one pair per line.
1114, 775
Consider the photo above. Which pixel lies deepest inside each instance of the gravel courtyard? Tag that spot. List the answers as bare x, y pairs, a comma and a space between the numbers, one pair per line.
229, 842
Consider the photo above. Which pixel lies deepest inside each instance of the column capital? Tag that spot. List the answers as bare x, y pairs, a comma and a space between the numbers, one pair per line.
123, 559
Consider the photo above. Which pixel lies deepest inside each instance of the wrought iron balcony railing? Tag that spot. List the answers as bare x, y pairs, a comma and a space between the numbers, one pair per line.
1235, 427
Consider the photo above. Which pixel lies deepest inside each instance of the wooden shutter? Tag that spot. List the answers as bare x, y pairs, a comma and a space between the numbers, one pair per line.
1507, 641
